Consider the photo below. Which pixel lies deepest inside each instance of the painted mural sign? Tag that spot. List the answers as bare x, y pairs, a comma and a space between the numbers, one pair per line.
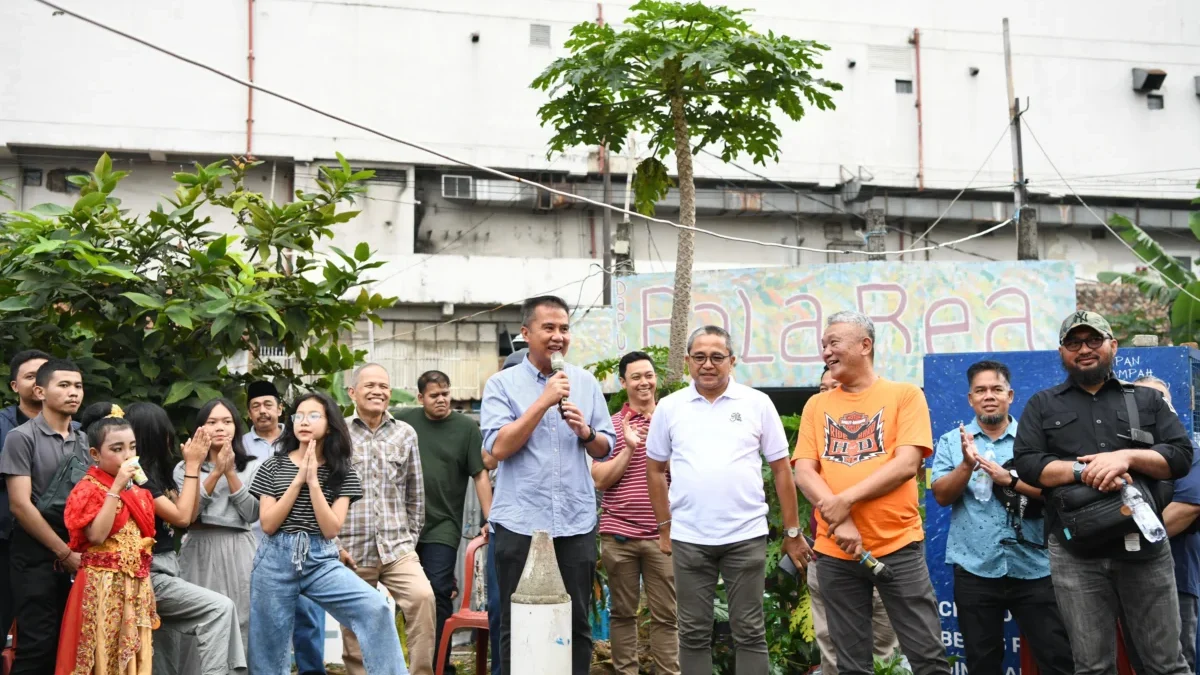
776, 315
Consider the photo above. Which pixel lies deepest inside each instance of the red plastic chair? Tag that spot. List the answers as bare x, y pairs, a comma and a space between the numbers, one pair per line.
465, 617
10, 653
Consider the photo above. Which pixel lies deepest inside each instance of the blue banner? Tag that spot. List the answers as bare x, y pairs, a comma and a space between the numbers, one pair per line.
1031, 372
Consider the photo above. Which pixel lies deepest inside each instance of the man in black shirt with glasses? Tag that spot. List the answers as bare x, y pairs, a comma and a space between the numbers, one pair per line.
1082, 441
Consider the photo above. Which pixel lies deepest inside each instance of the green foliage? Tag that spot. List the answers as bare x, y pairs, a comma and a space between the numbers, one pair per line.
608, 368
151, 307
726, 78
892, 665
1164, 278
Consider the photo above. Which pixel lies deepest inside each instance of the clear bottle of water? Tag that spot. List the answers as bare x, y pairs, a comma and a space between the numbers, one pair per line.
981, 484
1145, 518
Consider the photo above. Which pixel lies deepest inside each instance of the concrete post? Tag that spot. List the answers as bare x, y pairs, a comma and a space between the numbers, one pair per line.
541, 614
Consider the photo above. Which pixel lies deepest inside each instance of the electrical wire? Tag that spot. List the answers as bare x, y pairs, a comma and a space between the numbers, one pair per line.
1103, 222
601, 270
960, 192
455, 160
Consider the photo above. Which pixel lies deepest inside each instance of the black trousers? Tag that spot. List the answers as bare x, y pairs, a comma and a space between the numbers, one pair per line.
577, 565
39, 599
439, 561
982, 604
6, 598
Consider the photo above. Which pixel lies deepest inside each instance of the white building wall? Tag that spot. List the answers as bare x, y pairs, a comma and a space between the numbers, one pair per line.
412, 70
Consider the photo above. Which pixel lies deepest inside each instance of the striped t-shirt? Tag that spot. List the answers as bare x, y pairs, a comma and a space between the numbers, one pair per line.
625, 506
275, 476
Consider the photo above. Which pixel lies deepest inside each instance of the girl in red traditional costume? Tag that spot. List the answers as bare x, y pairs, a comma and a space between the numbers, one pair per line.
110, 613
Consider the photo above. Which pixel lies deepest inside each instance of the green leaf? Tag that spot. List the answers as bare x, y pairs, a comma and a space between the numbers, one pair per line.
51, 210
650, 184
362, 252
206, 393
15, 303
1194, 222
1150, 251
1152, 287
103, 166
221, 323
89, 202
180, 315
143, 300
180, 390
1185, 315
216, 250
148, 367
117, 272
44, 246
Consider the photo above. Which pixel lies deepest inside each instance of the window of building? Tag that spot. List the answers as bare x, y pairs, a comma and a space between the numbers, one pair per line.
904, 87
1154, 101
58, 180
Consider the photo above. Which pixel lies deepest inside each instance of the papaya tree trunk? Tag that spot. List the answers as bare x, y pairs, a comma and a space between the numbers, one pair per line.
681, 304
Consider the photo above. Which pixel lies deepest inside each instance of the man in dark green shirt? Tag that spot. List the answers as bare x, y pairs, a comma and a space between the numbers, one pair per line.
451, 456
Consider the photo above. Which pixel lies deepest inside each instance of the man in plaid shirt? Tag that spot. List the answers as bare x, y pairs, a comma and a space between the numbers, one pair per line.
379, 537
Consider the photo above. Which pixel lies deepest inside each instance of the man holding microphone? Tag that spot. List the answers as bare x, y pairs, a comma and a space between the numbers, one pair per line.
541, 441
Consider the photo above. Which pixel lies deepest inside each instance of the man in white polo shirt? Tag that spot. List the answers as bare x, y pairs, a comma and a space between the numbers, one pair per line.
714, 435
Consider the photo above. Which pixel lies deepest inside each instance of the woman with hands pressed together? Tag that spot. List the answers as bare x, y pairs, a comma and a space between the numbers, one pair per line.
218, 550
304, 492
187, 611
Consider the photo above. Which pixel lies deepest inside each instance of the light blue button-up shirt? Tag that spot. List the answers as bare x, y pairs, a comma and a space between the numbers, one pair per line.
978, 528
547, 484
258, 447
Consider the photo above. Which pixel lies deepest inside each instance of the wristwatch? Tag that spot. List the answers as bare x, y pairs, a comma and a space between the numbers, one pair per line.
1015, 479
591, 435
1078, 468
792, 532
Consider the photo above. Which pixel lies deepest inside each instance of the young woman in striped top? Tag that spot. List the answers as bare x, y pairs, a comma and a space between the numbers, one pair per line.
304, 492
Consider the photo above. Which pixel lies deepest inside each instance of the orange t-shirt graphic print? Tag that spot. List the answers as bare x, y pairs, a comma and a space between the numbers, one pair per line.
852, 436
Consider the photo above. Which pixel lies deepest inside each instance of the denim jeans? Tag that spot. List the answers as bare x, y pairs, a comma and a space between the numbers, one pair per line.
1092, 592
493, 606
288, 566
439, 561
907, 597
1187, 635
308, 637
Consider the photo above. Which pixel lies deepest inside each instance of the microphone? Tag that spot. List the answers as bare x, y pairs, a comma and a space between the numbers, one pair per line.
558, 364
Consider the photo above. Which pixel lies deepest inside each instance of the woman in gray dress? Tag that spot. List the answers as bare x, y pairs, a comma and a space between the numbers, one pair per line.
218, 550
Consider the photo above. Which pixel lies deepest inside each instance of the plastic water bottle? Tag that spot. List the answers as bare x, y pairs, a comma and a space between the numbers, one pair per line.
1145, 518
981, 484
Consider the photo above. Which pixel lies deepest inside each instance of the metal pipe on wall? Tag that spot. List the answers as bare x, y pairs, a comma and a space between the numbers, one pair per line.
250, 77
916, 43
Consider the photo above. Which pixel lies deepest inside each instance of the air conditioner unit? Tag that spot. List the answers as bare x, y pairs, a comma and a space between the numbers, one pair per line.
458, 187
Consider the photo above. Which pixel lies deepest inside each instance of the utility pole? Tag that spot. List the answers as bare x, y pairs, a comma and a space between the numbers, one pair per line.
1027, 236
876, 235
623, 242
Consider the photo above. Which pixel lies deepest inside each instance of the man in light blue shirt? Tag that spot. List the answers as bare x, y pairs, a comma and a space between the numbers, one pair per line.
308, 634
1000, 559
540, 425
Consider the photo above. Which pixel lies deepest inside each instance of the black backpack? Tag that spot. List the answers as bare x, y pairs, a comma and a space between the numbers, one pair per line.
52, 503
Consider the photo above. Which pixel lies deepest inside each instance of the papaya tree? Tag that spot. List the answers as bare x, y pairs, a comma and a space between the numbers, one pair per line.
155, 307
687, 76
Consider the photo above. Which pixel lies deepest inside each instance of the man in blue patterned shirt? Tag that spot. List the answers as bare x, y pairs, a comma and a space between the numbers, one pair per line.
1000, 559
541, 426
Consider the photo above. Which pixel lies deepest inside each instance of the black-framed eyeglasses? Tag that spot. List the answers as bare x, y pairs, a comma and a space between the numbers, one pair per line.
1093, 343
715, 359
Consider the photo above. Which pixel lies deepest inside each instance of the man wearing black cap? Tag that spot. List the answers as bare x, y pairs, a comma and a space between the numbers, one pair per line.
1083, 441
308, 634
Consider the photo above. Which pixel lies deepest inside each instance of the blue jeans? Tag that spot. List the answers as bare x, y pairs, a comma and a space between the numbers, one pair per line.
493, 605
288, 566
308, 638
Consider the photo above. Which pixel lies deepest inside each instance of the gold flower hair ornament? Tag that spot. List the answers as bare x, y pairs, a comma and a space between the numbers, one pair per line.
116, 412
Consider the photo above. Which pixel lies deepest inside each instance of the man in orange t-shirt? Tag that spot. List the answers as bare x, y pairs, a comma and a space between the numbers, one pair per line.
859, 450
